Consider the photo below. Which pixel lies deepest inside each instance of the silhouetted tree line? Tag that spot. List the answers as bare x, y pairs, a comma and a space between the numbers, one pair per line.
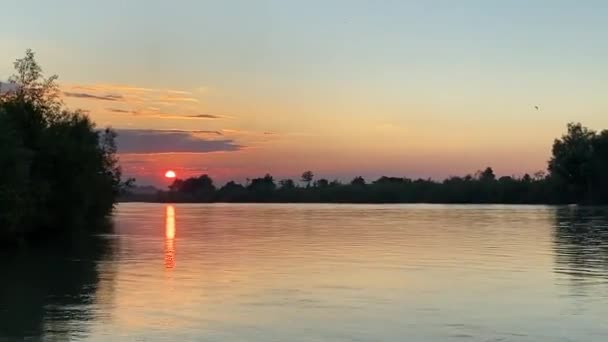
56, 170
577, 173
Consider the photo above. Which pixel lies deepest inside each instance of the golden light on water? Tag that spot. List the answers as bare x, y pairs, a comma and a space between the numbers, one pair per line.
170, 237
170, 222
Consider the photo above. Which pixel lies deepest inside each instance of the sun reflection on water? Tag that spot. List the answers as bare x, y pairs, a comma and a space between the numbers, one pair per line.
170, 237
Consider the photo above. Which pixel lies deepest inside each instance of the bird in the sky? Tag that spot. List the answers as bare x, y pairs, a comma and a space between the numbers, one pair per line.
536, 107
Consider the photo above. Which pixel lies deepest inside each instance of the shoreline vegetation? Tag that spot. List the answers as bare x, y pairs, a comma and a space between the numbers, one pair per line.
58, 172
577, 173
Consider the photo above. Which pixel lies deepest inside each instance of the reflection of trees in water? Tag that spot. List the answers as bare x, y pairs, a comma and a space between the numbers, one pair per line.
581, 243
49, 291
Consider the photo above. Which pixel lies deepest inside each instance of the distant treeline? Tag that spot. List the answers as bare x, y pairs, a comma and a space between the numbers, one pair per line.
576, 173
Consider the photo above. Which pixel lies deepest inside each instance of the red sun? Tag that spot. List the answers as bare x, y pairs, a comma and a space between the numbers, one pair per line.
170, 174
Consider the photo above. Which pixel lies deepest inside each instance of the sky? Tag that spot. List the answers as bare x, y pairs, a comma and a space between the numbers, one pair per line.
238, 89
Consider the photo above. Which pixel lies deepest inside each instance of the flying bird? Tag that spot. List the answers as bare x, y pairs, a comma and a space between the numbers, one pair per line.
536, 107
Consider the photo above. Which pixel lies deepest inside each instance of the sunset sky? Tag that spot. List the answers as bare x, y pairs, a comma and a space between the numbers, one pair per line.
238, 89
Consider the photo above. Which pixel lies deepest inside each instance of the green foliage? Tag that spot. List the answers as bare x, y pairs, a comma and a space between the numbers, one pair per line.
579, 166
56, 170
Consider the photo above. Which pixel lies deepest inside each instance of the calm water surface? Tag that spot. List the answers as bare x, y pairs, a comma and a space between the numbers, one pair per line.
318, 273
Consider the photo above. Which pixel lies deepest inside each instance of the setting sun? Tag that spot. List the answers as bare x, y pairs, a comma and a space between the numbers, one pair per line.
170, 174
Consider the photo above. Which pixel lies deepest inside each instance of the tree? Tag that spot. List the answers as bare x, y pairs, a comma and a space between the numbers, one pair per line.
571, 163
358, 181
539, 175
176, 185
32, 88
262, 189
15, 163
232, 192
199, 188
389, 180
487, 175
322, 183
335, 183
307, 178
59, 171
287, 184
599, 175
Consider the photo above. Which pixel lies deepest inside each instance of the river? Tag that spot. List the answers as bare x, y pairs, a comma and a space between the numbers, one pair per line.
281, 272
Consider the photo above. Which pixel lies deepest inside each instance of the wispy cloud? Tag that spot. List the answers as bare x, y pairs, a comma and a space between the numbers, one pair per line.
118, 110
254, 138
112, 88
106, 97
155, 112
206, 116
240, 132
208, 132
194, 132
179, 92
134, 141
129, 93
174, 97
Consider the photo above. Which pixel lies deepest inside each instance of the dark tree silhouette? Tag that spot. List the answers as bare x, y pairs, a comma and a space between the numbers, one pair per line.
335, 183
358, 181
56, 170
287, 184
579, 166
570, 165
232, 192
322, 183
487, 175
262, 189
307, 177
200, 188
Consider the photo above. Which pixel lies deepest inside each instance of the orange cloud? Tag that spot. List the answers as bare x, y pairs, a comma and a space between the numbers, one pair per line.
156, 113
171, 97
129, 93
106, 97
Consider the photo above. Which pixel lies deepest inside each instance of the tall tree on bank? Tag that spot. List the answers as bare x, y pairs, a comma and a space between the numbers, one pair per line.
56, 170
579, 165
